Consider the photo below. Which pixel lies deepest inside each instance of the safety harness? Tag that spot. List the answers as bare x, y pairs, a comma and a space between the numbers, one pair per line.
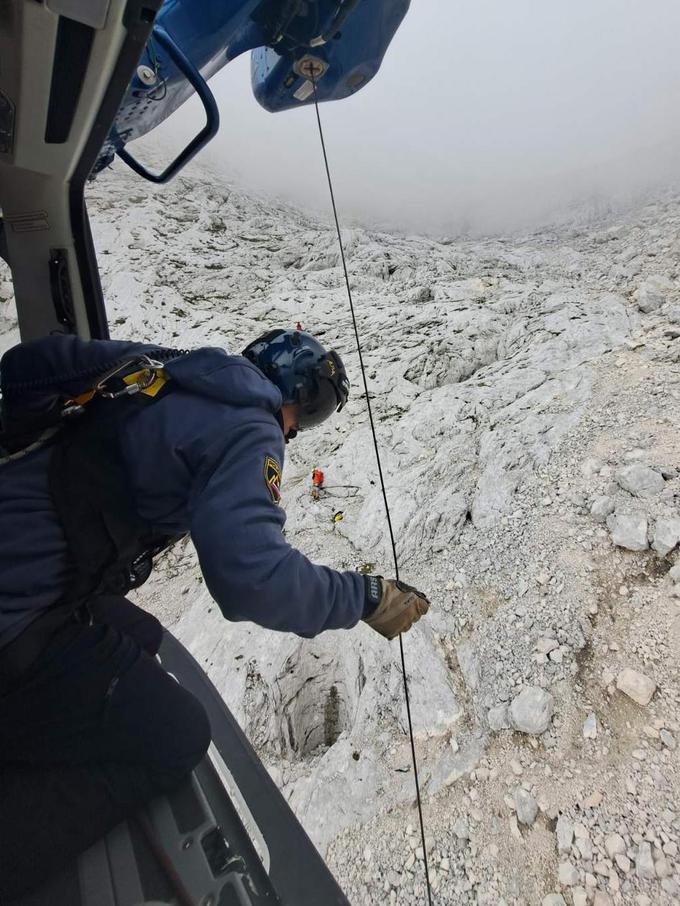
111, 548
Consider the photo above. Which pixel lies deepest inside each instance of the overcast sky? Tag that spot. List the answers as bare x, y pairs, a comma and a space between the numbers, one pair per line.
486, 115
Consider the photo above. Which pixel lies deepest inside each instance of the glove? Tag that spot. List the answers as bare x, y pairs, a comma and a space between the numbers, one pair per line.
396, 606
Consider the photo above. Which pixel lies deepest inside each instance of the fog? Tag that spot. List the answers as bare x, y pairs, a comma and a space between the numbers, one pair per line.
486, 116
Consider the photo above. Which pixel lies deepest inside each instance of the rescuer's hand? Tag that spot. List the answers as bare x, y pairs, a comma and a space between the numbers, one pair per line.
400, 606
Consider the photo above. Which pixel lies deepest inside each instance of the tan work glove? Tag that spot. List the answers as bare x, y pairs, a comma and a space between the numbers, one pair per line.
400, 606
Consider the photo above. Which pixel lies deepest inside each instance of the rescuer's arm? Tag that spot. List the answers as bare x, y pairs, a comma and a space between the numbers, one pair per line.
249, 567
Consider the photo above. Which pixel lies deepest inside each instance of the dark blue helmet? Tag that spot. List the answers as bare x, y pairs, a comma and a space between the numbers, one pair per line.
307, 376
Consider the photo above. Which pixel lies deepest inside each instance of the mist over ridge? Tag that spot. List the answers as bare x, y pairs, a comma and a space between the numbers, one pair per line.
484, 118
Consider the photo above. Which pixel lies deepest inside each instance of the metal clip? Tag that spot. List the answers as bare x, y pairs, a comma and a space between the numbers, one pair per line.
149, 373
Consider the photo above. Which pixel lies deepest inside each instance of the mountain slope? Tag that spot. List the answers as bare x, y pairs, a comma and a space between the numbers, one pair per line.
515, 382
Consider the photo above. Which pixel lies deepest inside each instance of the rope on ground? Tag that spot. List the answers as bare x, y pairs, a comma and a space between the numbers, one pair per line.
313, 78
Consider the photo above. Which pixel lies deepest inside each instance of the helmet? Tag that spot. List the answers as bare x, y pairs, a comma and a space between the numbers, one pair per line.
307, 376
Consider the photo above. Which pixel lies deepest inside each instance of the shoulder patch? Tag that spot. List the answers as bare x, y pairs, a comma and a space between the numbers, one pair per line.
272, 477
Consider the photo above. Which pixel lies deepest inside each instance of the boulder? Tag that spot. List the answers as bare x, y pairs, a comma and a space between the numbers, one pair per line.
666, 535
531, 710
652, 293
640, 480
629, 530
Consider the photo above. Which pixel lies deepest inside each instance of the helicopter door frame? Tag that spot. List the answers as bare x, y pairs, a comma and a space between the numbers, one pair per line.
66, 67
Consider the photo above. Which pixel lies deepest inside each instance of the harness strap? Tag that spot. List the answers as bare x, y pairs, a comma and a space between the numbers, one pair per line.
111, 547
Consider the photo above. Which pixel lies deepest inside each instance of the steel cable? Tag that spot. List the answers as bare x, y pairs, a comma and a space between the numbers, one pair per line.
382, 482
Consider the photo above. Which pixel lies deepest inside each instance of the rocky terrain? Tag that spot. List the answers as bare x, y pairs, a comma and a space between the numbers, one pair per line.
527, 395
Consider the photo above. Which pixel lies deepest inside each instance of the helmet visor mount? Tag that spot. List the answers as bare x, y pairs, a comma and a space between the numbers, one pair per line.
327, 395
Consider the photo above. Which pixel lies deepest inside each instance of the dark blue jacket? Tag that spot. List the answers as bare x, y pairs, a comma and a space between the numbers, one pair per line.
197, 461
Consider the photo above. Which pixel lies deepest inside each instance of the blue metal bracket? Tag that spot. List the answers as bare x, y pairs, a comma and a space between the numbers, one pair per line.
212, 115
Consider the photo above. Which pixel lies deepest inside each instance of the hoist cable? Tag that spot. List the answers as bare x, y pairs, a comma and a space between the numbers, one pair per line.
382, 483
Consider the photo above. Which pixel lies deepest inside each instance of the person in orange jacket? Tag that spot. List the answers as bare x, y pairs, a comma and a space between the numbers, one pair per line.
317, 483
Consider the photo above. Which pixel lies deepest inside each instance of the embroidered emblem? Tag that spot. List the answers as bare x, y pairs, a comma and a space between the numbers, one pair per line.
272, 476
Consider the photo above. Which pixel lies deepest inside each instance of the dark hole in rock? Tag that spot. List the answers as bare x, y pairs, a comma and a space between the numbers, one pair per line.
317, 706
331, 717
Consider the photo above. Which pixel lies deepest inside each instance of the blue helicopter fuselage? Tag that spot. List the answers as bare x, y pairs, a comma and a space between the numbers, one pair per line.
297, 44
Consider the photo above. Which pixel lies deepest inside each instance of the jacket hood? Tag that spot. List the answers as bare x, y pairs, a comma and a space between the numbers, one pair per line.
228, 378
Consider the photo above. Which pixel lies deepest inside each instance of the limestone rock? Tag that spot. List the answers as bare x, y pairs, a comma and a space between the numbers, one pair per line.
565, 834
602, 507
498, 718
629, 530
461, 829
652, 293
567, 875
579, 896
666, 535
644, 863
673, 314
636, 685
614, 844
640, 480
590, 727
602, 899
531, 710
451, 766
525, 807
667, 739
623, 862
546, 645
662, 867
